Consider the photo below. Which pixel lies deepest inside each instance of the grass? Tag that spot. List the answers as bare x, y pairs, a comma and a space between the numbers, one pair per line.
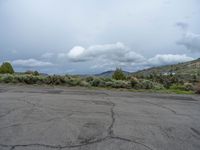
163, 91
140, 85
176, 91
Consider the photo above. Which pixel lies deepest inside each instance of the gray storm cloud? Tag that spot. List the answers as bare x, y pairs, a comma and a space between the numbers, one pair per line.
117, 54
191, 41
73, 34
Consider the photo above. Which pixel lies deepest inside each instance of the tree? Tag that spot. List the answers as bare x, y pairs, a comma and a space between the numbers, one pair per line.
6, 67
35, 73
119, 75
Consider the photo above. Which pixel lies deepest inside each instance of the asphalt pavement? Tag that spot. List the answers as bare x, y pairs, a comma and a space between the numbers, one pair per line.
62, 118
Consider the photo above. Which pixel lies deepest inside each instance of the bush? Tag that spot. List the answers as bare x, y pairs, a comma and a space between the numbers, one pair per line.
55, 80
158, 86
118, 75
89, 79
109, 84
73, 81
7, 79
189, 87
177, 87
27, 79
134, 82
183, 87
197, 88
120, 84
95, 82
84, 83
168, 80
35, 73
147, 84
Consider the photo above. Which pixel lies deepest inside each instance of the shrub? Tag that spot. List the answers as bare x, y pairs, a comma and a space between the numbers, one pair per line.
35, 73
189, 87
177, 87
107, 79
8, 79
28, 79
84, 83
109, 84
168, 80
183, 87
89, 79
197, 88
102, 83
20, 78
118, 75
120, 84
158, 86
134, 82
147, 84
95, 82
55, 80
75, 81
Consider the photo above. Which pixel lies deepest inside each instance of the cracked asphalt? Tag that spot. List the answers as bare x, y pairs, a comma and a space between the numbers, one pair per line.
61, 118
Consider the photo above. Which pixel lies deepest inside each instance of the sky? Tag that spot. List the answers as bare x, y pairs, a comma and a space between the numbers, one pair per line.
92, 36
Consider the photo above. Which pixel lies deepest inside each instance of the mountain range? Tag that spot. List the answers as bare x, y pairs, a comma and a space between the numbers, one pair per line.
189, 68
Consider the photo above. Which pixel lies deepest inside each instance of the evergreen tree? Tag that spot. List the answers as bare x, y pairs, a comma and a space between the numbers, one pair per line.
118, 75
6, 67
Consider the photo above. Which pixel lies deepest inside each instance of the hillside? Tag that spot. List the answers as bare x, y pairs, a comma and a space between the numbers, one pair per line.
110, 73
184, 70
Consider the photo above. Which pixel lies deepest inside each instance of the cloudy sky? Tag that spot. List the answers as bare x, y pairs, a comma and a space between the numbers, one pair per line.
91, 36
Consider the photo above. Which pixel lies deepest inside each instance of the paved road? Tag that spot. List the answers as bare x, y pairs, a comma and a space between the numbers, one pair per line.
46, 118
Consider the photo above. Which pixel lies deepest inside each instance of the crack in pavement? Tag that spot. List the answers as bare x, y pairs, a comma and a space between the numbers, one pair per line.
130, 140
8, 112
12, 147
112, 114
195, 131
161, 106
169, 109
110, 135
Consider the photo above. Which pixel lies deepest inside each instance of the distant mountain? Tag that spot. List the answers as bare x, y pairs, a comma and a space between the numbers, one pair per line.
186, 69
110, 73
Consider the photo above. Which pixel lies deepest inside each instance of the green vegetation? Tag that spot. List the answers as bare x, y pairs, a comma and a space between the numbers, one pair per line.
6, 67
152, 83
130, 83
197, 88
118, 75
36, 73
188, 71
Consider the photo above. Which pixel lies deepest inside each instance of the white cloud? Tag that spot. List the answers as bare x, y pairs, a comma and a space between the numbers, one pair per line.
31, 63
191, 41
115, 55
76, 54
168, 59
117, 52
